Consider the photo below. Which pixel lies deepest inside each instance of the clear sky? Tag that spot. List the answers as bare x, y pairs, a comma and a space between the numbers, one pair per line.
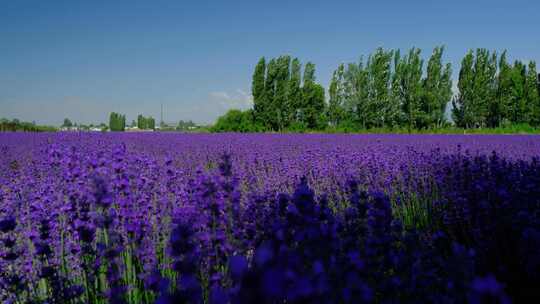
83, 59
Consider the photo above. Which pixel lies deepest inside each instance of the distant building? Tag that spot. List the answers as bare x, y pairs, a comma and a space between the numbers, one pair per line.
73, 128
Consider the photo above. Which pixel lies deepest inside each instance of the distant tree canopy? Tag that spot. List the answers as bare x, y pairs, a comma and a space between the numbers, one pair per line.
146, 123
17, 125
283, 98
493, 92
236, 121
185, 125
67, 123
394, 91
117, 122
389, 90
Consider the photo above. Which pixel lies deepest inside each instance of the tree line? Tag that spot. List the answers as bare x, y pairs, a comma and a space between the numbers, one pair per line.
117, 122
146, 123
13, 125
283, 96
391, 91
493, 92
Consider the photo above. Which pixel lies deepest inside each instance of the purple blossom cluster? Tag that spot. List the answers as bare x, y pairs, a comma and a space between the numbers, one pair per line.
230, 218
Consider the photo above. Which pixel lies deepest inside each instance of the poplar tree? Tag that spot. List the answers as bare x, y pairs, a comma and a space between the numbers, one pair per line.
307, 87
519, 101
501, 106
445, 93
381, 106
269, 117
117, 122
462, 105
151, 123
113, 121
141, 122
281, 106
336, 92
408, 79
532, 95
313, 105
294, 91
436, 90
357, 93
309, 72
484, 89
258, 90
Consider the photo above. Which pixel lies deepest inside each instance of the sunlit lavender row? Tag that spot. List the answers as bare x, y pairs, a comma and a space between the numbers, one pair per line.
230, 218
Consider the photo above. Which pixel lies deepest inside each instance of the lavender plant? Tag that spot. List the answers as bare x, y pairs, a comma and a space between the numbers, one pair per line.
229, 218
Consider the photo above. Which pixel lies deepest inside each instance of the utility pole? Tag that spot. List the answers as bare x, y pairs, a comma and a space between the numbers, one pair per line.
161, 119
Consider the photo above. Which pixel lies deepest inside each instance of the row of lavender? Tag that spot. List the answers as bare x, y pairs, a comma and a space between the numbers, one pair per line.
140, 218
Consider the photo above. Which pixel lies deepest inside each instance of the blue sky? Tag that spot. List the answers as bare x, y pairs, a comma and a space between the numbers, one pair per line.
83, 59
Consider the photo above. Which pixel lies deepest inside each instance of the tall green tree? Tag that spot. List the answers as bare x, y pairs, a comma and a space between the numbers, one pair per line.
500, 108
484, 90
113, 121
518, 108
383, 109
258, 90
304, 110
336, 91
462, 105
67, 123
313, 104
151, 123
436, 90
356, 93
117, 122
309, 73
314, 107
408, 78
141, 122
281, 105
269, 118
359, 75
294, 91
532, 95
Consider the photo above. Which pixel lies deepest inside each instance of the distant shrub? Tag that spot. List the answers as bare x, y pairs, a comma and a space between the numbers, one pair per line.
236, 121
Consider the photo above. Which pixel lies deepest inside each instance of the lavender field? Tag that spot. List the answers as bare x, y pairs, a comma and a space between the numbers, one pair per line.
268, 218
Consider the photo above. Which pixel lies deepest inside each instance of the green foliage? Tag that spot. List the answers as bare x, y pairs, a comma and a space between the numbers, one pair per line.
294, 98
336, 109
436, 91
389, 91
383, 109
281, 106
67, 123
518, 107
186, 125
500, 106
17, 125
393, 92
117, 122
236, 121
281, 101
408, 79
357, 94
312, 111
532, 93
477, 90
146, 123
258, 91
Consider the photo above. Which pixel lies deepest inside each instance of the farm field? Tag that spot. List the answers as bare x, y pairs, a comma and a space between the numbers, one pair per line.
269, 218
